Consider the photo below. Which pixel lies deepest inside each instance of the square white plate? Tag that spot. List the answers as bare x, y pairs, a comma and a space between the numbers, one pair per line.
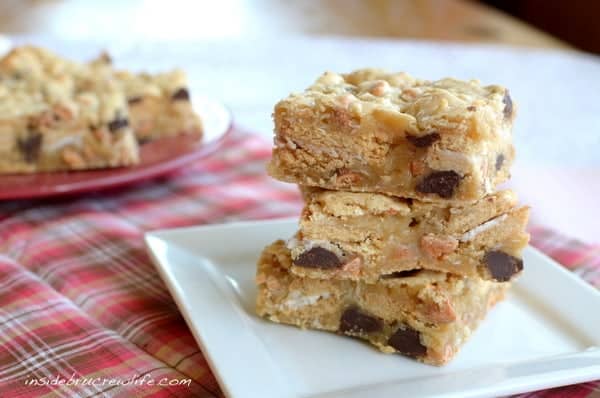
545, 335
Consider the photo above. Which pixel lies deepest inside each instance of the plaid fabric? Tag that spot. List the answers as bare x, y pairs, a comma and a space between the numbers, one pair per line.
83, 311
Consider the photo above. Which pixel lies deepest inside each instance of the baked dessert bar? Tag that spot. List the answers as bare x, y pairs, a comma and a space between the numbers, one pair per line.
50, 120
425, 315
58, 114
159, 104
364, 236
372, 131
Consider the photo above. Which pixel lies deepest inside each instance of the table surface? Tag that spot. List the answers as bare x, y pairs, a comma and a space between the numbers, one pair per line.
455, 20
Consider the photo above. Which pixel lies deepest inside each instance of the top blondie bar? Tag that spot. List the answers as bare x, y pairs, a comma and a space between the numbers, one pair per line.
373, 131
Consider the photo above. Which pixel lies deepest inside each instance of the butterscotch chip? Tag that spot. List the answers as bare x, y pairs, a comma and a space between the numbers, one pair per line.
348, 177
438, 246
73, 159
417, 168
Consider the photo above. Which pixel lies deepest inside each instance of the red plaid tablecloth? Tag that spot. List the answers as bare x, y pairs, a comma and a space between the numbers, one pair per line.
83, 313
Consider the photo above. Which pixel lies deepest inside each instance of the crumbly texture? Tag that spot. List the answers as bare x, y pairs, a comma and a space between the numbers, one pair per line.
62, 115
372, 131
53, 117
425, 315
366, 236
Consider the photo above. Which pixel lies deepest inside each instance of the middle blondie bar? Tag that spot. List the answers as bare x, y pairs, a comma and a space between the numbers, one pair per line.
349, 235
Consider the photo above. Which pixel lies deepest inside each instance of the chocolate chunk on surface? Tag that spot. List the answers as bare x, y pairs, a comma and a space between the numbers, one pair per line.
407, 341
423, 141
134, 100
501, 265
499, 161
355, 321
317, 257
181, 95
442, 183
117, 124
30, 146
508, 105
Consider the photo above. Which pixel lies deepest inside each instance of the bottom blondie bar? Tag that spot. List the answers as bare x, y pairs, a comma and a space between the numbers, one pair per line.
426, 315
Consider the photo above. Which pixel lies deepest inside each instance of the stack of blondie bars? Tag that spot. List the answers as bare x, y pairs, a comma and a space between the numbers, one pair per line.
404, 240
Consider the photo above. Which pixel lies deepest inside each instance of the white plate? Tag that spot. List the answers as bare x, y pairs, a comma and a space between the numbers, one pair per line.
545, 335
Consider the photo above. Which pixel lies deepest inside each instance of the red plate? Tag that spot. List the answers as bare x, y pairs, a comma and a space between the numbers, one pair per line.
156, 158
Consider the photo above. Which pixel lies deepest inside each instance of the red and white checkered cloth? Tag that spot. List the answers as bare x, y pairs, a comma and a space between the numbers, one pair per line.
83, 313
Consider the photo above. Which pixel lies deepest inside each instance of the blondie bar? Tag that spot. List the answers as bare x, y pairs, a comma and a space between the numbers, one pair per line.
425, 315
50, 119
372, 131
159, 104
57, 114
366, 236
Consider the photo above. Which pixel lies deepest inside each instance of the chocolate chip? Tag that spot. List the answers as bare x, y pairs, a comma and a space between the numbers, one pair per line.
134, 100
442, 183
402, 274
508, 105
317, 257
502, 266
104, 57
30, 146
499, 161
423, 141
144, 140
117, 124
181, 95
355, 321
413, 222
407, 341
471, 108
